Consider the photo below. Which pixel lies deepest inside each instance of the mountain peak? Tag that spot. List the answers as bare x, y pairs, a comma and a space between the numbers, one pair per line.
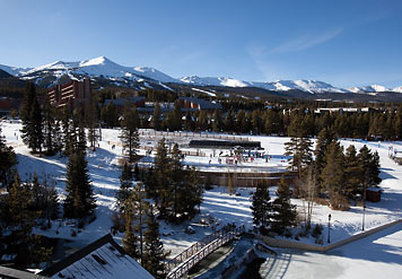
101, 60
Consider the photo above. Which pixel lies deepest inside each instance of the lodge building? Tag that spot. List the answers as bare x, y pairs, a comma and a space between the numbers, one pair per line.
73, 94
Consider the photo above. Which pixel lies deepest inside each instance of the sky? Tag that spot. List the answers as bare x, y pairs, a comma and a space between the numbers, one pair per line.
342, 42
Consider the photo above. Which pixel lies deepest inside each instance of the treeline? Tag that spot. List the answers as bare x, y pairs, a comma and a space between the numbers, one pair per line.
332, 173
375, 125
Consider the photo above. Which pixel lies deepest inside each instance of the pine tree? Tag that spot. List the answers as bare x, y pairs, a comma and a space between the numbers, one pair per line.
156, 119
91, 120
284, 213
333, 175
218, 122
21, 219
126, 186
370, 164
230, 122
129, 133
202, 120
130, 240
80, 200
159, 189
353, 172
154, 254
300, 154
8, 160
51, 131
31, 115
325, 137
261, 208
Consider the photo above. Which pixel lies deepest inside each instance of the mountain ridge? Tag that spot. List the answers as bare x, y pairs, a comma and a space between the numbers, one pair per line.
102, 67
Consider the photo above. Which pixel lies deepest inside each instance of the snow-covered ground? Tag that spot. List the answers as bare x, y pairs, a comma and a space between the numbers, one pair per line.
217, 203
376, 256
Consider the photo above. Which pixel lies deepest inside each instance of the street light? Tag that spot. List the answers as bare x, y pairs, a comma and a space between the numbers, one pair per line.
329, 228
364, 214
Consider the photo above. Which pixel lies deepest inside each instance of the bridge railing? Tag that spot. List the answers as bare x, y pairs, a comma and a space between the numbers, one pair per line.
216, 240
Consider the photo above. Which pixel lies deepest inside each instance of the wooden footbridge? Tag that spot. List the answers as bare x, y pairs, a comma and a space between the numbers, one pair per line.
182, 263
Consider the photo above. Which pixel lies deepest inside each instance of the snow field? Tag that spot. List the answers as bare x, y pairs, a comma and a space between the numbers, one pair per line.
217, 203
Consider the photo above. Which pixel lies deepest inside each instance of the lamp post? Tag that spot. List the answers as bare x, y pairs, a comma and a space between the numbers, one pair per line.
329, 228
364, 214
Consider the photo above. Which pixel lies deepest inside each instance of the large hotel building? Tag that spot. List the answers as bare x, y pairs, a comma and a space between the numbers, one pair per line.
73, 94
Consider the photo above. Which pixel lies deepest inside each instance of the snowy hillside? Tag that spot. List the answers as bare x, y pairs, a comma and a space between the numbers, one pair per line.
15, 71
375, 88
96, 67
310, 86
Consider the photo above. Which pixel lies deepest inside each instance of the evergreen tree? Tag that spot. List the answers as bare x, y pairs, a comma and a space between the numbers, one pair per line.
159, 189
353, 172
156, 119
126, 186
51, 130
325, 137
218, 122
137, 206
173, 119
370, 164
189, 123
284, 213
91, 120
80, 200
230, 121
31, 114
202, 120
129, 134
130, 240
8, 160
154, 254
300, 154
333, 175
21, 219
261, 208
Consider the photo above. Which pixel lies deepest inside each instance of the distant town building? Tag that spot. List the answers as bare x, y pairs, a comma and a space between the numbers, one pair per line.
138, 101
102, 259
198, 104
343, 110
73, 94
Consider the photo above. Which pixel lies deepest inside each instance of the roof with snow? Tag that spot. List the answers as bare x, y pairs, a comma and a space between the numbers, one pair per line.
101, 259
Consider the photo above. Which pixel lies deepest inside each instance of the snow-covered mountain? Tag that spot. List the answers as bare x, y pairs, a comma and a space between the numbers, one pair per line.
15, 71
310, 86
96, 67
109, 72
215, 81
397, 89
375, 88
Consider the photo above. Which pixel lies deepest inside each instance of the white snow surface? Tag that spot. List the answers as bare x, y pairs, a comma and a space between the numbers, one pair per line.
376, 256
116, 265
217, 203
310, 86
95, 67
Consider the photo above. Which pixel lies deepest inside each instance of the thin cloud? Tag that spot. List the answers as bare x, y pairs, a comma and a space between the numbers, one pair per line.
305, 42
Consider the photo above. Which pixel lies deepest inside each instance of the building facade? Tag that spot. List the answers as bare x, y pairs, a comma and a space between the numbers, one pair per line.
72, 95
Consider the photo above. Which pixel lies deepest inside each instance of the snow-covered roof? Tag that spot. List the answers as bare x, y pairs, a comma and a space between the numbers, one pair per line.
102, 259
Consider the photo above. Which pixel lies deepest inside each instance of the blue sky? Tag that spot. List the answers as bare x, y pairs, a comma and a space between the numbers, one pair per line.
345, 43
